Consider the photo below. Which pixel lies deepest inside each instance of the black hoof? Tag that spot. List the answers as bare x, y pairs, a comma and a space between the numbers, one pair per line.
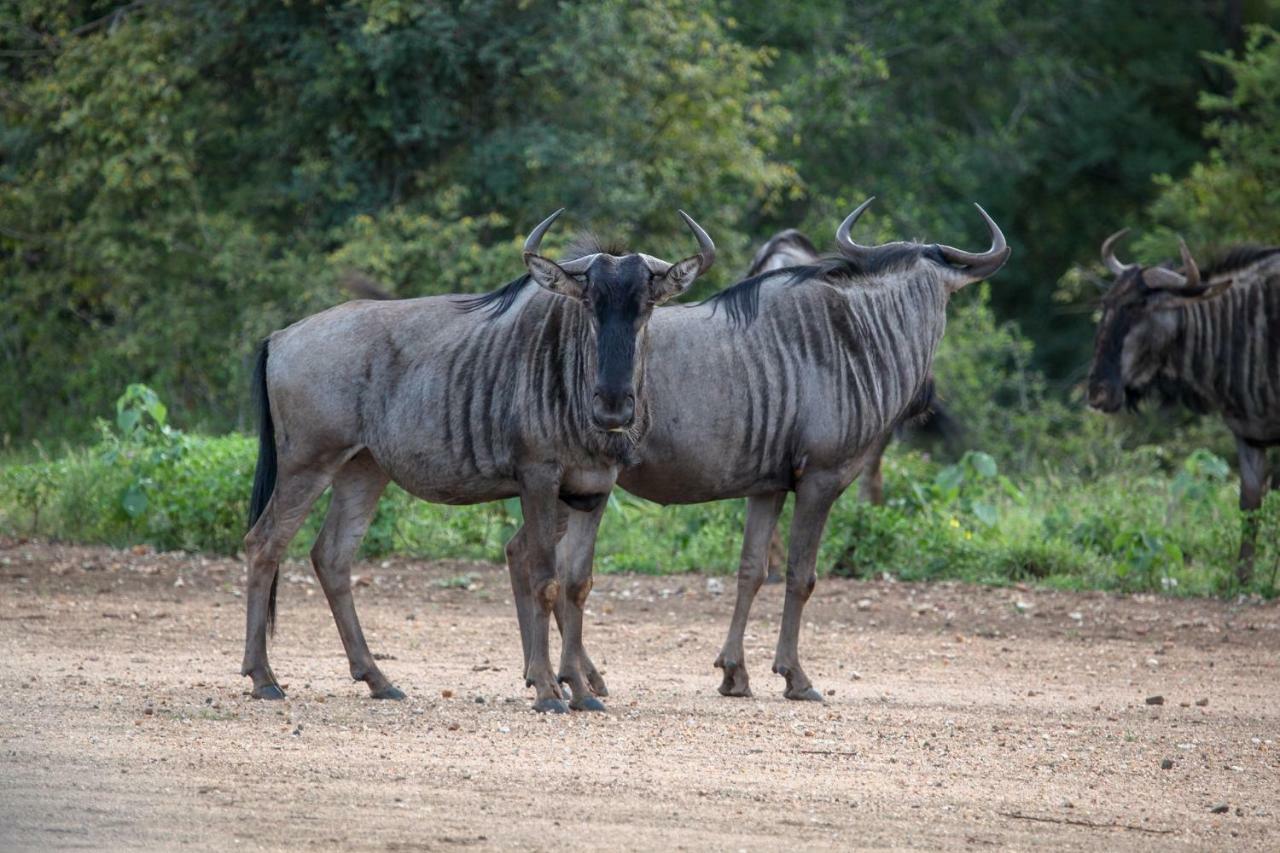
809, 694
551, 706
735, 681
587, 703
268, 691
388, 692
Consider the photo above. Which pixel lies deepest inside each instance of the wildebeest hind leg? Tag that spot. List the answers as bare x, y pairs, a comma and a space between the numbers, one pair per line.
296, 489
871, 481
574, 556
762, 521
815, 494
356, 490
1253, 486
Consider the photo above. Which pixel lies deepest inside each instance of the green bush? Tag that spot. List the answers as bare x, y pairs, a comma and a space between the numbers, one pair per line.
1148, 524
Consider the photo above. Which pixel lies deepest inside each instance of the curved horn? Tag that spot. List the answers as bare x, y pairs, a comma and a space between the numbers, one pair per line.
657, 266
844, 241
1186, 283
535, 237
1109, 253
706, 247
981, 263
577, 266
1189, 268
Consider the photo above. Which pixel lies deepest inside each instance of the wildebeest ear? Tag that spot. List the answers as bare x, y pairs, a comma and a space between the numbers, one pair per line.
549, 275
1199, 294
676, 280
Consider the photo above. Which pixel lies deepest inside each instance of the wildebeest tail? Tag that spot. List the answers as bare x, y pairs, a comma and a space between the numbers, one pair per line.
264, 476
922, 405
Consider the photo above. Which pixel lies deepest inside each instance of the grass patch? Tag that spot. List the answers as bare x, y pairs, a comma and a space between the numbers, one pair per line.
1153, 524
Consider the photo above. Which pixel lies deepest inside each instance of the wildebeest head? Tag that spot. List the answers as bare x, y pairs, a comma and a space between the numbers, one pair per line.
1138, 324
954, 267
620, 293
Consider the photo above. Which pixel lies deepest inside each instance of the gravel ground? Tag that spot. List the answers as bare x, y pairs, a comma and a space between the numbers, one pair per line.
957, 717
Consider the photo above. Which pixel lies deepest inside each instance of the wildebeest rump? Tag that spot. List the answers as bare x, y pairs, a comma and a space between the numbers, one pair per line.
1209, 340
784, 382
535, 391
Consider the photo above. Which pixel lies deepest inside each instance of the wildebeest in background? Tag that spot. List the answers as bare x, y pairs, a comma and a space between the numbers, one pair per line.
535, 391
1210, 340
786, 381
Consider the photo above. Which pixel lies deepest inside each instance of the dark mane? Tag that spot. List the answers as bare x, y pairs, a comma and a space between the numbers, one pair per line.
1167, 391
498, 302
586, 243
1236, 258
741, 301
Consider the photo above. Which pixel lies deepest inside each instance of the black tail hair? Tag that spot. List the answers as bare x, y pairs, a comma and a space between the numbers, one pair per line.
264, 477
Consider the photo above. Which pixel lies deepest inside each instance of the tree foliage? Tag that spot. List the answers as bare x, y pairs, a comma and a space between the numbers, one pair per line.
179, 178
1233, 196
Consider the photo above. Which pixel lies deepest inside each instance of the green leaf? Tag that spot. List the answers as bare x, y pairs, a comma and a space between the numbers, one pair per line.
134, 501
985, 512
949, 480
983, 464
128, 420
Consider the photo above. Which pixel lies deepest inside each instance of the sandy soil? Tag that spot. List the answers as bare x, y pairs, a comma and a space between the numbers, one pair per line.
956, 717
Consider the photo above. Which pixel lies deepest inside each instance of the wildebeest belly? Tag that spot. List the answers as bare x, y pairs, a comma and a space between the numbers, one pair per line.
681, 481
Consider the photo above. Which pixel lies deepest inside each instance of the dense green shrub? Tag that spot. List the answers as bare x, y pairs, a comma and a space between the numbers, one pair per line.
1144, 525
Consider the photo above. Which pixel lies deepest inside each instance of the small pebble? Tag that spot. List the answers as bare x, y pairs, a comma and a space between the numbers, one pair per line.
1167, 764
1220, 809
479, 700
1155, 700
1201, 703
448, 694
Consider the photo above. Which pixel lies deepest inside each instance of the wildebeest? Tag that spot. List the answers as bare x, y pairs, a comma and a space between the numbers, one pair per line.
1210, 340
793, 248
535, 391
786, 381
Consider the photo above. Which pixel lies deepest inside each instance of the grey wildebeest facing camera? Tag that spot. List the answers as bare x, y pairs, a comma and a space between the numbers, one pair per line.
1207, 339
787, 381
536, 390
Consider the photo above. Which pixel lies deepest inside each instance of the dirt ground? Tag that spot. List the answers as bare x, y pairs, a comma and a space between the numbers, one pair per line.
956, 717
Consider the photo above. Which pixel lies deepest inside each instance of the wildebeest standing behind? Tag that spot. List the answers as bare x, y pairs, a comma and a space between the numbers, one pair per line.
787, 381
535, 391
1210, 340
793, 248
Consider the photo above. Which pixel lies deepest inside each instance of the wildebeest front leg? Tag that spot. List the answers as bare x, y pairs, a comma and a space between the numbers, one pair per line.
1253, 486
762, 520
574, 557
539, 488
518, 569
356, 490
815, 494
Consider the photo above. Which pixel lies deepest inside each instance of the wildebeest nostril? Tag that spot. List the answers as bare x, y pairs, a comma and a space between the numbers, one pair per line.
613, 411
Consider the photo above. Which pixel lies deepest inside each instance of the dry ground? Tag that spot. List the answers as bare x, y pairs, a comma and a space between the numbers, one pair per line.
958, 717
